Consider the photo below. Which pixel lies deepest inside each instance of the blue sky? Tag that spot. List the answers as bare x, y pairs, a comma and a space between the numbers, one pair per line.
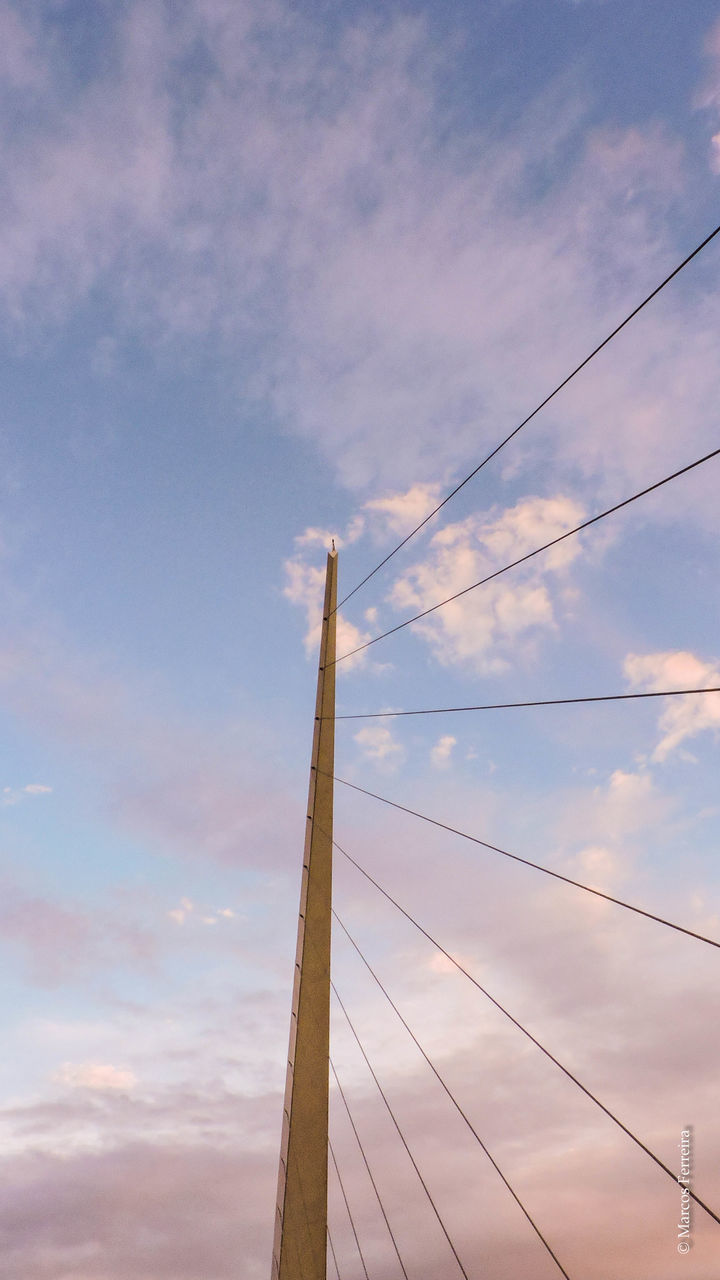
271, 274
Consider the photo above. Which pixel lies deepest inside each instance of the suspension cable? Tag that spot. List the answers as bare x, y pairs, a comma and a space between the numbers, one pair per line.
543, 702
526, 862
452, 1098
535, 411
566, 1071
347, 1206
332, 1250
529, 556
367, 1166
400, 1132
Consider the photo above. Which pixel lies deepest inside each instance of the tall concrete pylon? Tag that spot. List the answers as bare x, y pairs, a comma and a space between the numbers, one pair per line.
300, 1248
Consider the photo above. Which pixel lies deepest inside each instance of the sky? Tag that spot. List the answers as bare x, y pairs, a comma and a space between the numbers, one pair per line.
275, 273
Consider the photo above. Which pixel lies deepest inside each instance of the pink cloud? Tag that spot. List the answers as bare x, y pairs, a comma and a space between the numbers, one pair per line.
69, 942
681, 719
96, 1075
20, 65
560, 962
173, 780
404, 315
166, 1210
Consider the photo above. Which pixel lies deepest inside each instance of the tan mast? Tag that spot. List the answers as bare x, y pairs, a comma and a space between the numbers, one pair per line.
300, 1249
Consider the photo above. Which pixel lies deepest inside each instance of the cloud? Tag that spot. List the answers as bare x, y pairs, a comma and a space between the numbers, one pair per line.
305, 582
11, 795
320, 206
481, 628
181, 913
612, 819
398, 513
600, 866
563, 972
171, 778
318, 538
68, 942
325, 538
442, 751
682, 718
193, 1211
378, 745
428, 331
20, 64
707, 98
305, 587
308, 203
96, 1075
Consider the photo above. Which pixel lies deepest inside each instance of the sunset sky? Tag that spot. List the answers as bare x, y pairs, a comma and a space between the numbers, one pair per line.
272, 273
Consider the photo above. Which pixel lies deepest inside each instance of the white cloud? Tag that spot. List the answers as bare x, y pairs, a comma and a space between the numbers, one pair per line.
96, 1076
305, 587
11, 795
318, 538
355, 528
377, 744
626, 804
442, 751
681, 718
325, 538
600, 865
436, 260
398, 513
481, 627
181, 913
185, 910
601, 827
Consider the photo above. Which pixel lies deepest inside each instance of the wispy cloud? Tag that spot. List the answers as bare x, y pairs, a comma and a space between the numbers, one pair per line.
708, 96
193, 1208
397, 288
172, 778
96, 1075
682, 718
13, 795
266, 199
69, 942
